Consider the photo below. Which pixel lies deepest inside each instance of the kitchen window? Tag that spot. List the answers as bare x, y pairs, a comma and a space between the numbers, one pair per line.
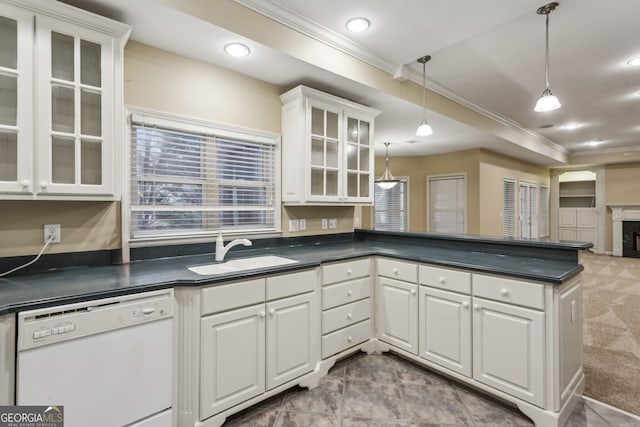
190, 179
390, 207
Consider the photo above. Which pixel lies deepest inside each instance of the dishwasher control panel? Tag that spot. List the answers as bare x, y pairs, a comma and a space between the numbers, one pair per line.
66, 322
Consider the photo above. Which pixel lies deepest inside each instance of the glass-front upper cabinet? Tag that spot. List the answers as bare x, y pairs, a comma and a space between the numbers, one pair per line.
63, 141
327, 149
16, 39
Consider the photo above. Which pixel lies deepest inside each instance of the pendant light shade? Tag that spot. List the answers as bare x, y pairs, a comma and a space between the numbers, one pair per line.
424, 129
548, 101
386, 181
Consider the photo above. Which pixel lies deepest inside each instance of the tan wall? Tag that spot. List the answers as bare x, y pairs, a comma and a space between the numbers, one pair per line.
84, 226
493, 169
622, 185
314, 216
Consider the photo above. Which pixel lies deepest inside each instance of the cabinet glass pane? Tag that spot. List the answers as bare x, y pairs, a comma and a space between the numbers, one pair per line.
364, 185
90, 113
8, 156
91, 162
317, 182
63, 160
8, 100
62, 109
332, 154
317, 121
62, 56
8, 43
352, 130
332, 125
90, 69
352, 157
352, 184
364, 159
317, 152
364, 133
332, 183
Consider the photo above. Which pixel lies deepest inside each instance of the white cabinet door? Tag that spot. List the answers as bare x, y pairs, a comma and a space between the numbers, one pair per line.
232, 358
398, 313
586, 218
358, 157
509, 349
445, 329
567, 234
290, 338
567, 217
587, 235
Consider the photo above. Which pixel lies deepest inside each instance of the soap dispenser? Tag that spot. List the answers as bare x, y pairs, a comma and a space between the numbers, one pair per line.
219, 247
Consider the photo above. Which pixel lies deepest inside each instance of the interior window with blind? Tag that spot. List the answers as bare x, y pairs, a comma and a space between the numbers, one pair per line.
509, 207
390, 207
544, 211
528, 210
195, 180
446, 204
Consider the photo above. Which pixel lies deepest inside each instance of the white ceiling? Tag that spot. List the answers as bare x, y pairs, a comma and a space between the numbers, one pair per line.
489, 54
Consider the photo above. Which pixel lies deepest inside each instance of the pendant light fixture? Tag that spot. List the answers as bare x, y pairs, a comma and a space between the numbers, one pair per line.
548, 101
424, 129
386, 181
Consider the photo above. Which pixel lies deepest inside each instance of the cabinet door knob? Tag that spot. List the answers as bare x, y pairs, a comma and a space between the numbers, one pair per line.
25, 183
349, 272
262, 314
349, 293
395, 271
349, 339
349, 316
465, 304
44, 184
504, 292
272, 311
476, 307
413, 291
441, 280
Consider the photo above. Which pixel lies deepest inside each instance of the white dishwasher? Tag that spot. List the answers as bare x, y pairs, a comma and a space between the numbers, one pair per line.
108, 361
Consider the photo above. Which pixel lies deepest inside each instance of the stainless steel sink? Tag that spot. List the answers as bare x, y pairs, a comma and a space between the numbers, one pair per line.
241, 264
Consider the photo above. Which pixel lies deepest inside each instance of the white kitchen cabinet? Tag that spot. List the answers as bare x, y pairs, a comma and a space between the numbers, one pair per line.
397, 318
445, 329
509, 349
327, 149
61, 119
232, 358
578, 224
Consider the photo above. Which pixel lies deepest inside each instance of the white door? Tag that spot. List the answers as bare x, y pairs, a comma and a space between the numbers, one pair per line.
528, 210
290, 336
445, 329
586, 218
567, 217
509, 349
398, 313
447, 204
232, 354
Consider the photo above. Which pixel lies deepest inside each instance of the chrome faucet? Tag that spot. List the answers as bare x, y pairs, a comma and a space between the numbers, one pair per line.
221, 249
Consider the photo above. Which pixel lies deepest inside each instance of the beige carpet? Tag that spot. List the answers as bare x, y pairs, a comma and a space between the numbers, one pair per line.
612, 330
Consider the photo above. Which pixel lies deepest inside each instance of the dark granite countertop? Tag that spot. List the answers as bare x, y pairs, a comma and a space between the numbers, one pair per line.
539, 261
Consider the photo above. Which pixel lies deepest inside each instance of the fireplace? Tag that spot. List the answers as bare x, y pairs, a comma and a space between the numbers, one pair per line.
631, 239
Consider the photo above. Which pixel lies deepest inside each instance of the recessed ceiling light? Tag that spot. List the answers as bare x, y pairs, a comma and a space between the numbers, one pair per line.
571, 126
237, 50
634, 61
357, 25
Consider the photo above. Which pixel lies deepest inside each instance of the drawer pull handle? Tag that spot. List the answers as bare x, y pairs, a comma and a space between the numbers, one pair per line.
349, 316
272, 311
44, 185
504, 292
413, 291
349, 272
25, 183
349, 339
476, 307
465, 305
349, 293
262, 314
441, 280
395, 271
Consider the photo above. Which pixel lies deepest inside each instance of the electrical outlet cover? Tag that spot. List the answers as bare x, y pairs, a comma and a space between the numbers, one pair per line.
303, 224
333, 223
294, 225
324, 223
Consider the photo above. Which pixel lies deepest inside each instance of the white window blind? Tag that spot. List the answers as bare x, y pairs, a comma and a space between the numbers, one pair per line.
509, 207
528, 210
446, 204
390, 207
189, 182
544, 211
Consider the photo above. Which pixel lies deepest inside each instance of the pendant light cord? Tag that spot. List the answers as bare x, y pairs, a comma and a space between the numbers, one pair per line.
546, 49
424, 90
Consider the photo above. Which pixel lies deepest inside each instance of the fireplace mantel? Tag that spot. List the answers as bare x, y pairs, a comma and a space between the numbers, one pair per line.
622, 212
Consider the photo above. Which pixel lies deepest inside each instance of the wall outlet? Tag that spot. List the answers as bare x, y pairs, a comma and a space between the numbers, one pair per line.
294, 225
52, 231
333, 223
324, 224
303, 224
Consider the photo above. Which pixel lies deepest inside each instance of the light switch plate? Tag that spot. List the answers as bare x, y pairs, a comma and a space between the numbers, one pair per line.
324, 223
333, 223
303, 224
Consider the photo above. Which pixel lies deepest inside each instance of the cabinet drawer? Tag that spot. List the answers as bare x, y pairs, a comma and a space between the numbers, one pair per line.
233, 295
443, 278
345, 315
290, 284
346, 292
342, 339
399, 270
334, 273
509, 291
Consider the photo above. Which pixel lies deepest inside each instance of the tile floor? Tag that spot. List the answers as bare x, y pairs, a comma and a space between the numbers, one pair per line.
388, 391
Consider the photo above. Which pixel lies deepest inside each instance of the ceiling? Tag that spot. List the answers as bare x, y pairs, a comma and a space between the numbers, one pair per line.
486, 55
